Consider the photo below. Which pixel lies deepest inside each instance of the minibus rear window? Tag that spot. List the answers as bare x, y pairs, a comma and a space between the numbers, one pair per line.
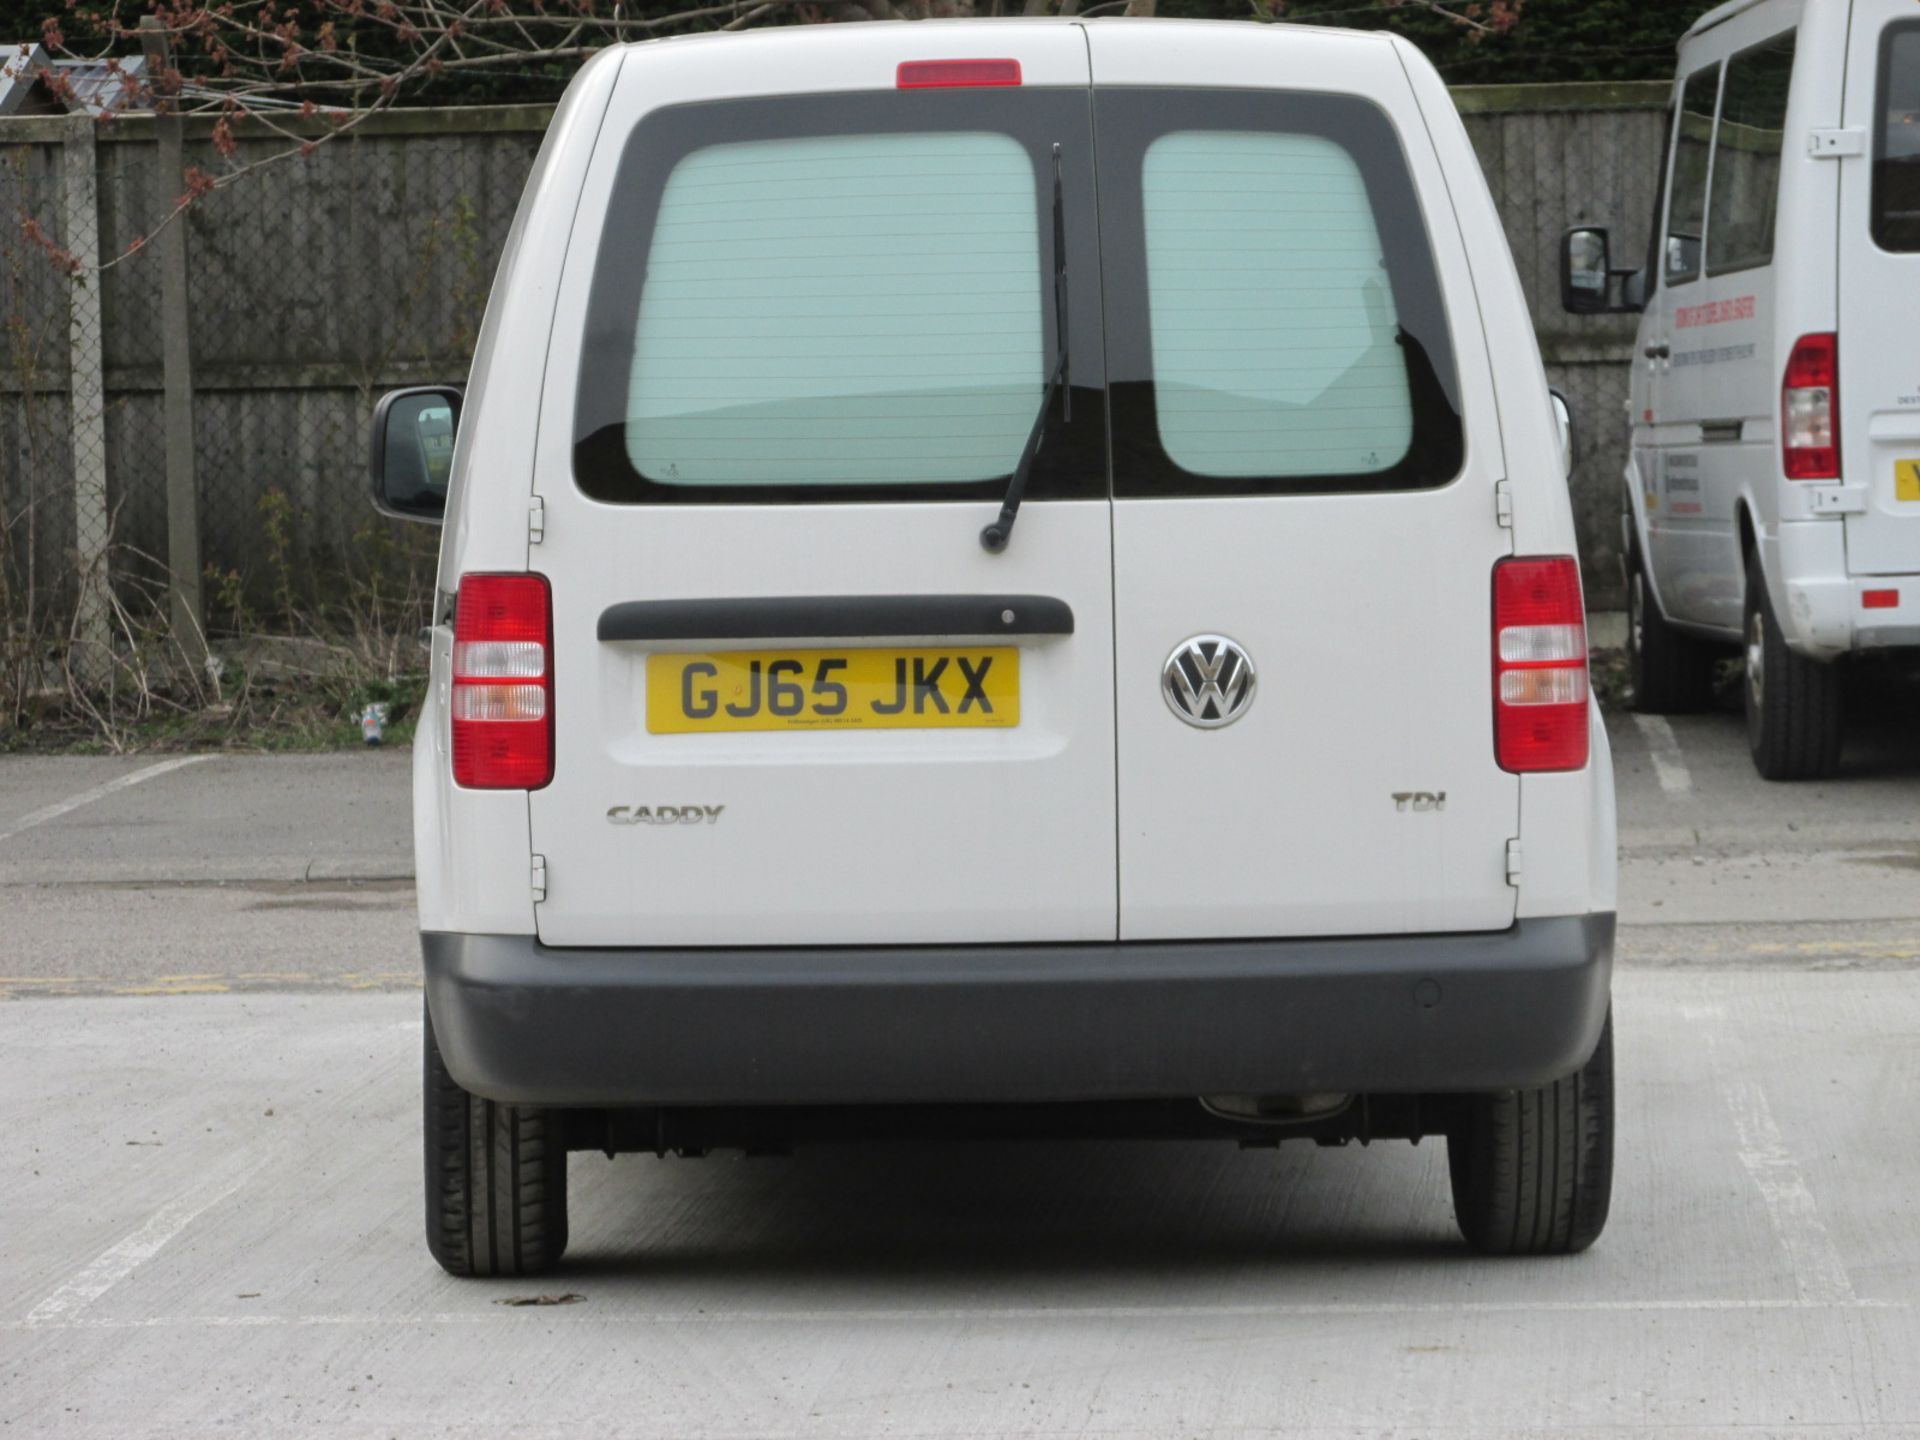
1896, 150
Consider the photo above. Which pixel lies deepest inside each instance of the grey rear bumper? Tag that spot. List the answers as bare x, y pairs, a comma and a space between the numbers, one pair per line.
518, 1021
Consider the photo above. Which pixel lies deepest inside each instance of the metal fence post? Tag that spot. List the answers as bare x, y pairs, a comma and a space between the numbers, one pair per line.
176, 355
86, 407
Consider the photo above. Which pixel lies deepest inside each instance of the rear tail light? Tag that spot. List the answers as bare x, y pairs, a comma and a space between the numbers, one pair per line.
502, 700
949, 74
1539, 665
1810, 409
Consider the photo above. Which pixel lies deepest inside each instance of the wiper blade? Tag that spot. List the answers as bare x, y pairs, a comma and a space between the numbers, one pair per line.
994, 537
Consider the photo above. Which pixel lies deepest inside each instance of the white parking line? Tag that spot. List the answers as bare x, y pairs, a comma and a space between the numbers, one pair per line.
1819, 1273
119, 1260
98, 792
947, 1315
1663, 748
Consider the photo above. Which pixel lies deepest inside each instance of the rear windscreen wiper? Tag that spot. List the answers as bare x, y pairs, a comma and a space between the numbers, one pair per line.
994, 537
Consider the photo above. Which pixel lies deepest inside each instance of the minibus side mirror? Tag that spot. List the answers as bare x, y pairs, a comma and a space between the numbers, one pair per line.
1568, 436
411, 456
1587, 275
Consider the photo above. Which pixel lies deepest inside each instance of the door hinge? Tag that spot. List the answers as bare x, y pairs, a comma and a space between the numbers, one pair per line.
536, 520
1503, 504
537, 877
1835, 143
1513, 862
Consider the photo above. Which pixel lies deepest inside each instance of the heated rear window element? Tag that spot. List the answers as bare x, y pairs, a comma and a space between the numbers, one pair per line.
1896, 146
1275, 321
843, 309
1275, 340
1746, 156
842, 298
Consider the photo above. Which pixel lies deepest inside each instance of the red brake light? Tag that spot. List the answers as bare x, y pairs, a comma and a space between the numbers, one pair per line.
1539, 665
1810, 410
1879, 599
502, 696
946, 74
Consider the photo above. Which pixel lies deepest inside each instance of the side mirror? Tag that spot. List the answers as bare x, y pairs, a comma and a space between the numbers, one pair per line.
1587, 275
1568, 436
411, 457
1584, 271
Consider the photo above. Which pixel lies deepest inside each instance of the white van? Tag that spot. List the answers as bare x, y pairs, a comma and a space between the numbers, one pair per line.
945, 630
1773, 485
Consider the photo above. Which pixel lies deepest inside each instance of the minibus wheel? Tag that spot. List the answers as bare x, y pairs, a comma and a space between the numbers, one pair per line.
1532, 1170
1669, 672
496, 1179
1793, 704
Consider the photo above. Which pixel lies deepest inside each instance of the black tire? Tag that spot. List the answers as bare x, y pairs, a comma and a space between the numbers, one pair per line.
496, 1180
1794, 713
1532, 1170
1668, 671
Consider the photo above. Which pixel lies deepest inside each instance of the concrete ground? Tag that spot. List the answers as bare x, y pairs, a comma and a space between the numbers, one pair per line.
211, 1221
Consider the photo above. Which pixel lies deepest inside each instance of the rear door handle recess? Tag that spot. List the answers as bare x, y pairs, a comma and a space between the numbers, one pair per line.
834, 617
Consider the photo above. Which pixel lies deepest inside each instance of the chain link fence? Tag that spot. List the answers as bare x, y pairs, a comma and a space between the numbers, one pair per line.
184, 393
320, 279
37, 521
313, 286
1556, 156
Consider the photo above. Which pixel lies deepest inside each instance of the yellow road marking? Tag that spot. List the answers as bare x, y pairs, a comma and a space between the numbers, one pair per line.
207, 983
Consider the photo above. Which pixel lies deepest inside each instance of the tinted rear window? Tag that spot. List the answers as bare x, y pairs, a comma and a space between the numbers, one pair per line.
792, 287
1896, 150
1275, 339
840, 298
1275, 323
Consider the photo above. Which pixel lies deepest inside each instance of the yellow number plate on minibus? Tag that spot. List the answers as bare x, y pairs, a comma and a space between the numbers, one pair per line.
832, 690
1906, 479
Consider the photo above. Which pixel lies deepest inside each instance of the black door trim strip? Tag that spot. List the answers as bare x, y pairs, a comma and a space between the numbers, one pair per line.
836, 617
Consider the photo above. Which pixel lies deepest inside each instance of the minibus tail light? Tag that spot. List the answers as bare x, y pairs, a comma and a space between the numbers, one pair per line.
502, 695
1810, 409
953, 74
1539, 665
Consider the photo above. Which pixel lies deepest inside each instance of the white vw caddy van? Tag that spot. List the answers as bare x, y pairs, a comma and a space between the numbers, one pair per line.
1006, 577
1773, 484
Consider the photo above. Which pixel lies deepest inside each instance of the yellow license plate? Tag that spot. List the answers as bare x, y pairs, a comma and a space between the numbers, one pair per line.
1906, 479
832, 690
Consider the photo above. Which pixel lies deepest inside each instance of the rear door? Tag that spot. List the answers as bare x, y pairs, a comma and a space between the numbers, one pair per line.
1304, 534
1880, 290
802, 342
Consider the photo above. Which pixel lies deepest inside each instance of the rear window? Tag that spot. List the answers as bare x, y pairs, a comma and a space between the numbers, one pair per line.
839, 298
1275, 339
1896, 148
792, 286
1275, 323
1746, 156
